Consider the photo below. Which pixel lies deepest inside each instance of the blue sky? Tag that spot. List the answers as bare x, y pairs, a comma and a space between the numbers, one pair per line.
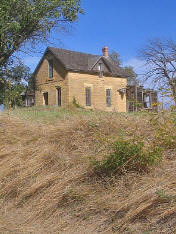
124, 26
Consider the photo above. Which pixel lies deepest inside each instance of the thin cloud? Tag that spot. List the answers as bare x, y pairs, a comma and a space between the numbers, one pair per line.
137, 64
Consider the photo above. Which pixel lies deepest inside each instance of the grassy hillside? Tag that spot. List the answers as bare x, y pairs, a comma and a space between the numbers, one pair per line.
49, 182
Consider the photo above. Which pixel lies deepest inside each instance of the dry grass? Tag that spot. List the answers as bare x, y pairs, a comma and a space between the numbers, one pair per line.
46, 184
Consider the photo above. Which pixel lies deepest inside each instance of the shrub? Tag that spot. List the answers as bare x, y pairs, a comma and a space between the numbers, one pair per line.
128, 156
164, 197
74, 102
165, 130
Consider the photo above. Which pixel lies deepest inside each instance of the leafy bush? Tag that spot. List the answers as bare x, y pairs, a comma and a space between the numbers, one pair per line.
74, 102
165, 130
128, 156
12, 97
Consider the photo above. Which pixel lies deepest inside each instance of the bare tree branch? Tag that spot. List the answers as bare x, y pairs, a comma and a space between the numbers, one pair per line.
160, 57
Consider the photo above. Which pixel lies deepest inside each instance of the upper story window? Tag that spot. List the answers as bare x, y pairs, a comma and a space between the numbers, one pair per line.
100, 69
100, 66
88, 96
108, 97
50, 68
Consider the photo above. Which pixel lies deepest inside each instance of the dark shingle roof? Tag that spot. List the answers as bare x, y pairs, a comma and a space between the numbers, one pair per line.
78, 61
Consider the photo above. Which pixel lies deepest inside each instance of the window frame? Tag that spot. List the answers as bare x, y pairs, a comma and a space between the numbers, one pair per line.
100, 67
50, 68
109, 97
59, 96
45, 99
88, 96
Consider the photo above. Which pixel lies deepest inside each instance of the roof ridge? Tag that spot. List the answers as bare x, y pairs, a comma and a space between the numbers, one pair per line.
80, 61
78, 52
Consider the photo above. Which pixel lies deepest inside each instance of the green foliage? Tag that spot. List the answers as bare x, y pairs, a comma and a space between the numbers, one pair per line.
129, 156
17, 74
165, 130
2, 90
135, 103
116, 58
164, 197
132, 76
12, 96
74, 102
173, 108
13, 84
22, 20
32, 84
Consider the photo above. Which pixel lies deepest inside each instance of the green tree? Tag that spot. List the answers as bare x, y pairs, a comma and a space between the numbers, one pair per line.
18, 74
116, 57
132, 76
32, 84
13, 82
12, 95
24, 20
2, 90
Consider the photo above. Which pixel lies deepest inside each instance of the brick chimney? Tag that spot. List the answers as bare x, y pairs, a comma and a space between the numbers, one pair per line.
105, 51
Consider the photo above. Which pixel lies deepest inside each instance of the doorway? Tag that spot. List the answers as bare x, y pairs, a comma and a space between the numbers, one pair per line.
45, 96
59, 96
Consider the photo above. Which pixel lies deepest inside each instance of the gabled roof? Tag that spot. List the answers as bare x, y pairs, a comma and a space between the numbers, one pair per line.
83, 62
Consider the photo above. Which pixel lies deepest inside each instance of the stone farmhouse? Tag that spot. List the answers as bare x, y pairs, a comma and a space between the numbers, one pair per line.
92, 81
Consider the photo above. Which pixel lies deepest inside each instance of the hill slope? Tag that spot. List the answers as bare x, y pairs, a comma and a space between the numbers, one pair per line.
48, 186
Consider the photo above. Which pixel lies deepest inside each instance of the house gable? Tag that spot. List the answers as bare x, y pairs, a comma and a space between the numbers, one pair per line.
100, 63
41, 72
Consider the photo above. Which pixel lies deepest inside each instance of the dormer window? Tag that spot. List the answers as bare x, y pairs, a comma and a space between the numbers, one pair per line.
50, 68
100, 69
100, 66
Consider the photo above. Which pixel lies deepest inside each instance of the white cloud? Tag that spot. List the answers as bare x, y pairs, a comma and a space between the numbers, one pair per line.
137, 64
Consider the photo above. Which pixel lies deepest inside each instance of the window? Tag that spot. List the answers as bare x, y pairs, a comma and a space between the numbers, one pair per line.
100, 67
59, 96
50, 68
45, 96
108, 97
88, 96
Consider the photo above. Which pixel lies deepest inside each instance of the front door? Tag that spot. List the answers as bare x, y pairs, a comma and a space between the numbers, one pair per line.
45, 96
59, 96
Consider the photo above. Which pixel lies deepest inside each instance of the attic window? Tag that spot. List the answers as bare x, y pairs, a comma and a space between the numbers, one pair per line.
100, 70
50, 68
100, 66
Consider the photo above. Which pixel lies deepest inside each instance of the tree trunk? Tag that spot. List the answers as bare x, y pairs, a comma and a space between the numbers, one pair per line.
173, 90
